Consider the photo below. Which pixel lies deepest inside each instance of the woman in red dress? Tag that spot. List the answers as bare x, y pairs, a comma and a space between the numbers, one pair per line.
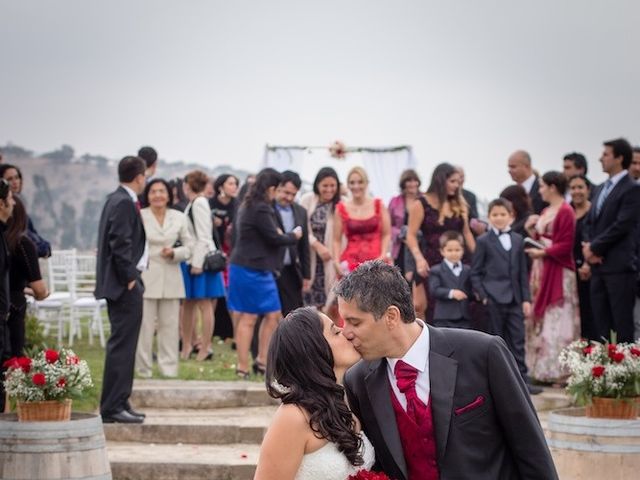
362, 229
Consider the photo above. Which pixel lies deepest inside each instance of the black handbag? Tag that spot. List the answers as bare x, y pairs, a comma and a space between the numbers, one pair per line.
214, 261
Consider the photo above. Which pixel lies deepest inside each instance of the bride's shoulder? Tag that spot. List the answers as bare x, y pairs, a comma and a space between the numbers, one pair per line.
292, 413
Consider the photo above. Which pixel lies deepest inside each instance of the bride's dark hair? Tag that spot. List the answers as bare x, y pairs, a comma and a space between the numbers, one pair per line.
300, 371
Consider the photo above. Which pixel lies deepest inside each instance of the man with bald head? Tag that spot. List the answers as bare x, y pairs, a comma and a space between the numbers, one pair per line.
522, 173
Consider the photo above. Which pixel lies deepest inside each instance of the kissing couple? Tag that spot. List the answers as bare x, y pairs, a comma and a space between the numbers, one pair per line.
389, 393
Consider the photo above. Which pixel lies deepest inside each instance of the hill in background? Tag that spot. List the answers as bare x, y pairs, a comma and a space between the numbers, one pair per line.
64, 193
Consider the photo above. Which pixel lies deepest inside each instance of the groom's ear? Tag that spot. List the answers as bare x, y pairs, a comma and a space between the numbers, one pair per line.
392, 317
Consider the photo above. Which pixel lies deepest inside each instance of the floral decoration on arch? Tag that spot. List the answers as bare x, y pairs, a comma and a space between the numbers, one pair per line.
338, 150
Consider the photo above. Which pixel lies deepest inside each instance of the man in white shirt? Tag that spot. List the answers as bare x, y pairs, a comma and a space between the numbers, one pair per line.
521, 171
460, 388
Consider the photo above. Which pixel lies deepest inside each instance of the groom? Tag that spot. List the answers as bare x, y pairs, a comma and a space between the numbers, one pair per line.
435, 403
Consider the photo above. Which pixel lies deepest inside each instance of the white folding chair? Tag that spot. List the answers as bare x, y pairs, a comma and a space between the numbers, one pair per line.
84, 301
56, 308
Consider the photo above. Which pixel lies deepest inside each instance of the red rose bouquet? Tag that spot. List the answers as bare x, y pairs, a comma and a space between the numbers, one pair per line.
368, 475
607, 370
49, 375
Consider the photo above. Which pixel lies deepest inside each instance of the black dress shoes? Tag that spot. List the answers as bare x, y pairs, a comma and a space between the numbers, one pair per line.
136, 414
122, 417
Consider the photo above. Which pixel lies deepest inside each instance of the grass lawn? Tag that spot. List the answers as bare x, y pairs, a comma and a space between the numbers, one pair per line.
221, 367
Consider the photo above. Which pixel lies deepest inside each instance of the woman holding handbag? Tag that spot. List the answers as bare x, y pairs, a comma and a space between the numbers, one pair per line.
202, 287
256, 257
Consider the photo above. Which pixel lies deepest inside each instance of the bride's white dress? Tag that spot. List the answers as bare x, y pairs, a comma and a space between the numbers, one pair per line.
328, 463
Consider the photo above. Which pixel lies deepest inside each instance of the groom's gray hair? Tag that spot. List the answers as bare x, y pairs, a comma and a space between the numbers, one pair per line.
375, 286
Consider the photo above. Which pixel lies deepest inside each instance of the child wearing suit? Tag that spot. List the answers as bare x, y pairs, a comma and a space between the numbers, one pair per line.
450, 284
500, 280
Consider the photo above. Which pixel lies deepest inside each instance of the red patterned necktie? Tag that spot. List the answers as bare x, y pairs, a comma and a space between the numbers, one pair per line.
406, 376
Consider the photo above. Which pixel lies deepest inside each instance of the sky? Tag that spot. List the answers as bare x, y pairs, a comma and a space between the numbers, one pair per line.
213, 81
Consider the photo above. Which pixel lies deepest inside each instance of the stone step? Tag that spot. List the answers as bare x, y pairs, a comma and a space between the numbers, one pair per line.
185, 394
551, 399
135, 461
207, 427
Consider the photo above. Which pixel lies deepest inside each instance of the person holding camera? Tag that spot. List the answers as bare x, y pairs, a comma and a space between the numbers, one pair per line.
255, 262
202, 286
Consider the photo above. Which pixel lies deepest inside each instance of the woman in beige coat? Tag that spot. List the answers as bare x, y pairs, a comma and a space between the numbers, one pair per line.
163, 279
320, 205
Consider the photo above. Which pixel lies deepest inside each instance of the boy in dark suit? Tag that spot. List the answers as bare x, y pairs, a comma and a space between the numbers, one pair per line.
450, 284
500, 280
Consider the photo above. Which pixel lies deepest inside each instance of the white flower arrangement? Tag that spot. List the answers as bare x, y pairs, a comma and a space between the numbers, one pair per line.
49, 375
606, 370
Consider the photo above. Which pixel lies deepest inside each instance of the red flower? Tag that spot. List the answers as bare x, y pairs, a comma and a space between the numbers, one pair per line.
597, 371
635, 351
11, 363
612, 347
51, 356
25, 364
617, 356
73, 360
368, 475
39, 379
587, 350
61, 382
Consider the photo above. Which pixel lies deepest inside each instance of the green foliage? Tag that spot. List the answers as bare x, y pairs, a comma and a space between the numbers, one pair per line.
34, 334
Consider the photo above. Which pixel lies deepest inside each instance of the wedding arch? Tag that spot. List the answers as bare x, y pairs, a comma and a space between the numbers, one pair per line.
383, 165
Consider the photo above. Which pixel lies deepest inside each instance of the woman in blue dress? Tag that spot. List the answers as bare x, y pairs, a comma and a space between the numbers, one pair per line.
202, 289
255, 259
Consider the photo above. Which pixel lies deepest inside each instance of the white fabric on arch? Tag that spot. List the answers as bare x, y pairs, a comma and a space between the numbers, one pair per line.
383, 166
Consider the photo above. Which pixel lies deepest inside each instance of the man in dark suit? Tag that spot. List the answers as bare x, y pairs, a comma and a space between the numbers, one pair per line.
573, 164
295, 274
610, 249
522, 173
122, 255
435, 403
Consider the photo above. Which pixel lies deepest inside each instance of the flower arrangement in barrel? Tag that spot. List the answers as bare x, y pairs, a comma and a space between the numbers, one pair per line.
606, 370
48, 375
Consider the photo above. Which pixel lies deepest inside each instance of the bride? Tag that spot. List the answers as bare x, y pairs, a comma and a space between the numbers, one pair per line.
313, 434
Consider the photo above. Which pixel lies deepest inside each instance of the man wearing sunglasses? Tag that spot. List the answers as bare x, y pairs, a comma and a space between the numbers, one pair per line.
6, 209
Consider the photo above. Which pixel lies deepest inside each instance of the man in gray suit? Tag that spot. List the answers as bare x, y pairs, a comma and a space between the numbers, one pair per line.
469, 412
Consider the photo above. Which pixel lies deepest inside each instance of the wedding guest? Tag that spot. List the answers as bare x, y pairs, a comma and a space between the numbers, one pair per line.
320, 205
308, 358
163, 282
579, 188
295, 274
441, 209
6, 210
450, 284
574, 164
634, 166
180, 200
469, 196
150, 157
122, 255
364, 222
521, 204
202, 288
223, 207
611, 242
13, 175
555, 321
24, 274
500, 281
521, 172
254, 259
399, 213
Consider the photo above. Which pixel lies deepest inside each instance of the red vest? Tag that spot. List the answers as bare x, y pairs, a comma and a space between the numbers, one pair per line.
418, 443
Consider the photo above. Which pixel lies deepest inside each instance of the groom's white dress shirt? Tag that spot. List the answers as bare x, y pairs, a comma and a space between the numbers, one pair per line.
418, 357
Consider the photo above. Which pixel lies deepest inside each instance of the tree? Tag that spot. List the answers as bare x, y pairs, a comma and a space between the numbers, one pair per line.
64, 154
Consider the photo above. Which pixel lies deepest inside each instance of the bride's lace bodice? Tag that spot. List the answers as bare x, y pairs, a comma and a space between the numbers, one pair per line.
328, 463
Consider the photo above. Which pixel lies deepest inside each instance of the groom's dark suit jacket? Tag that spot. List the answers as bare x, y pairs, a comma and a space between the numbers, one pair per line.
497, 437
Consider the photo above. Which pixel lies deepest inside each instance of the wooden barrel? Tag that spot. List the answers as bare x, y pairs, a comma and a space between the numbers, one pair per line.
588, 448
53, 450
